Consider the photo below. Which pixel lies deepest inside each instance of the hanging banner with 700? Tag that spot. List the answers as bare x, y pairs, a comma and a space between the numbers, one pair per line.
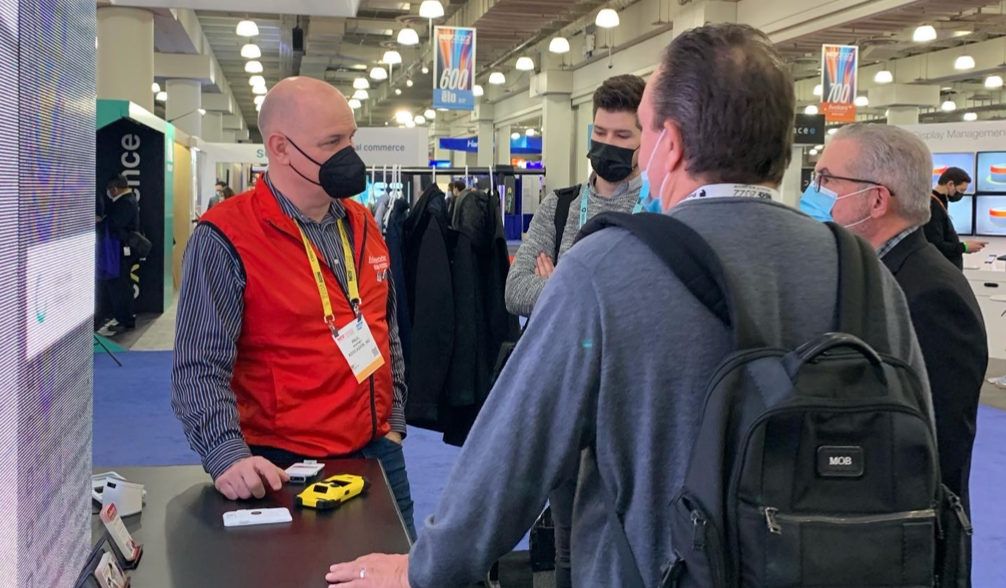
839, 77
454, 68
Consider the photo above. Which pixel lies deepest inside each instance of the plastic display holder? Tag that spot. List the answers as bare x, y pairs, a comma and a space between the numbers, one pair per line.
105, 545
119, 538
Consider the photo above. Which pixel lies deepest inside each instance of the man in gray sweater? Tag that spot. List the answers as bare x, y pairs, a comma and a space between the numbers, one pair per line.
620, 353
613, 187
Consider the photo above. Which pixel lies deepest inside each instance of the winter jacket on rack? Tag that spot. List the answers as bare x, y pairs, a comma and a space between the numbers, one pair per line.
394, 236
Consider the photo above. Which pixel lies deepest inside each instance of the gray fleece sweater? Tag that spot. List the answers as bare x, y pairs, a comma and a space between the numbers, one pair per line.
619, 354
523, 287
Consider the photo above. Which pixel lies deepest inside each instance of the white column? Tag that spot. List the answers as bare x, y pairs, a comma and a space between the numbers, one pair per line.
790, 188
486, 137
503, 144
184, 101
557, 120
903, 115
213, 127
126, 55
227, 136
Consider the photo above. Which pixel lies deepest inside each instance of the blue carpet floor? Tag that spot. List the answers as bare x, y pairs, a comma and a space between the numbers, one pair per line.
137, 399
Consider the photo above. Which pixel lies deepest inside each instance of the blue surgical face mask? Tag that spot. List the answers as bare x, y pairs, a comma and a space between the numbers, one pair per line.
651, 202
818, 203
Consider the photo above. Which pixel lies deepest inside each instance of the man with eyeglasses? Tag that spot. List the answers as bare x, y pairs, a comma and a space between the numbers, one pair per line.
875, 180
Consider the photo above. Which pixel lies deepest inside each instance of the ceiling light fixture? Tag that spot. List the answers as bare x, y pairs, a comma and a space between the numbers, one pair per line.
477, 90
497, 78
818, 90
155, 87
410, 124
398, 91
883, 77
607, 19
813, 152
392, 57
259, 100
430, 114
993, 82
161, 97
515, 136
559, 45
358, 67
862, 101
202, 112
354, 103
254, 67
431, 9
408, 37
256, 81
409, 82
247, 28
811, 110
970, 116
361, 94
251, 51
379, 73
525, 64
403, 116
260, 90
425, 70
530, 132
420, 120
361, 84
949, 106
924, 34
964, 63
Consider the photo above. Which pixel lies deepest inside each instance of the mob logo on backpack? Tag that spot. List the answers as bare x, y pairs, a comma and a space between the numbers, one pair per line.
812, 467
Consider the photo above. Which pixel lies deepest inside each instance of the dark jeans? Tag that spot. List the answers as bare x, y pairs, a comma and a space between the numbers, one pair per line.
117, 293
387, 451
561, 502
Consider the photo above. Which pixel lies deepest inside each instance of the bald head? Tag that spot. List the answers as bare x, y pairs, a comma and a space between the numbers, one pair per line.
297, 104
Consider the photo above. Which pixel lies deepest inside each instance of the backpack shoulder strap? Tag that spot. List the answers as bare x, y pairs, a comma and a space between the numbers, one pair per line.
566, 197
859, 310
692, 260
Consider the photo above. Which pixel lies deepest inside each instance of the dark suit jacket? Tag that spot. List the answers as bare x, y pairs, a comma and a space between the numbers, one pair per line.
951, 332
941, 233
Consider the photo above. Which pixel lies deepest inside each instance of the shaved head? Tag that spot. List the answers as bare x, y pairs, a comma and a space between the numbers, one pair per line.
304, 122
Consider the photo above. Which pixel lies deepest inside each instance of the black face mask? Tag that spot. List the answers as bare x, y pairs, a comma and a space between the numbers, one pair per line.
613, 164
956, 196
343, 175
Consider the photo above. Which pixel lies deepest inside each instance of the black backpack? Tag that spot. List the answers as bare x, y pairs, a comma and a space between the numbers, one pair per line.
814, 467
565, 196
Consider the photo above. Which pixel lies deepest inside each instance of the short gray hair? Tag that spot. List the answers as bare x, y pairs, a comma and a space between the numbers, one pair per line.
897, 159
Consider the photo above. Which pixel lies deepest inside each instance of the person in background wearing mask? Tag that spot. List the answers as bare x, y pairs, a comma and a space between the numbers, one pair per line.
873, 179
619, 353
258, 377
614, 186
940, 229
223, 193
121, 218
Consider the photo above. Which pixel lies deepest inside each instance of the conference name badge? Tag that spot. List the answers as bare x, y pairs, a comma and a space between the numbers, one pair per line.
358, 346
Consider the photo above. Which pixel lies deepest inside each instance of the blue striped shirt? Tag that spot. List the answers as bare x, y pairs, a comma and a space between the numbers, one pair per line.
210, 309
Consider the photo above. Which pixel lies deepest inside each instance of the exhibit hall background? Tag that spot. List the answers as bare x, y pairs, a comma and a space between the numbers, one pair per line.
47, 243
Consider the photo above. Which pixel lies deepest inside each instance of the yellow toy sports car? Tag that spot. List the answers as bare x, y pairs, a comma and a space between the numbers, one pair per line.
333, 491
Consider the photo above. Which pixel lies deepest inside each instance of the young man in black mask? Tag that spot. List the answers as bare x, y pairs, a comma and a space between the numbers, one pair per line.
940, 229
614, 186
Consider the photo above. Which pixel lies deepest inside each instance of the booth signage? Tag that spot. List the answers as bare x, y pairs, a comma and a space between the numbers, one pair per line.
454, 68
839, 79
808, 129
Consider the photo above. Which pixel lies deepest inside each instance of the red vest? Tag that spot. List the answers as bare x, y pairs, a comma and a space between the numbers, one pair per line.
295, 390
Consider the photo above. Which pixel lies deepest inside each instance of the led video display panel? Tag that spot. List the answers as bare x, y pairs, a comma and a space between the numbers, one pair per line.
962, 214
991, 172
944, 161
47, 95
990, 216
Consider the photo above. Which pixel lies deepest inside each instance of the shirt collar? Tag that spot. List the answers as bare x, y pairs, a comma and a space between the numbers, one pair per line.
336, 210
891, 244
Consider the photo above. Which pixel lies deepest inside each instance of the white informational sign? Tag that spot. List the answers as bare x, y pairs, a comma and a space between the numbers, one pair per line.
964, 137
386, 146
60, 289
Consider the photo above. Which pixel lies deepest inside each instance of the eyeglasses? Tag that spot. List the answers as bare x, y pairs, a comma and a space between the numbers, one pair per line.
816, 178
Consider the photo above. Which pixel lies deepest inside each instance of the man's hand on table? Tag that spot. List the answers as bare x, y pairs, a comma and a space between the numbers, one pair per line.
371, 571
393, 436
244, 479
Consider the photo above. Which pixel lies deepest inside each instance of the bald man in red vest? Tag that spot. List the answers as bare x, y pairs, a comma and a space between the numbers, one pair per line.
287, 346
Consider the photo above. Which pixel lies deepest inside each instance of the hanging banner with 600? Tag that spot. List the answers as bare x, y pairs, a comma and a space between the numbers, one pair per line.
454, 68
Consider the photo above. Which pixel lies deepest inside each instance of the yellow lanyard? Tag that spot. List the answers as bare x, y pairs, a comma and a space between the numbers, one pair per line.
319, 278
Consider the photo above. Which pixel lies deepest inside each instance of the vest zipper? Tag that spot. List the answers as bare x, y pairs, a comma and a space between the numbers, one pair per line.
774, 519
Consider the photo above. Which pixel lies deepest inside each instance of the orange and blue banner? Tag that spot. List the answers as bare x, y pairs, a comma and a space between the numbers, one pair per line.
839, 78
454, 68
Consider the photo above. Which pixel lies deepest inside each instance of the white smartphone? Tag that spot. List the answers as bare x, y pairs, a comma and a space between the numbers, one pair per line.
261, 516
300, 473
991, 258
